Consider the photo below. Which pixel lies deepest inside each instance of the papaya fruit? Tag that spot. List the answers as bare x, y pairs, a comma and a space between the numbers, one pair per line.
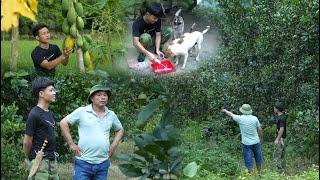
86, 61
79, 41
72, 15
73, 30
88, 38
79, 8
85, 46
68, 43
65, 27
65, 5
80, 23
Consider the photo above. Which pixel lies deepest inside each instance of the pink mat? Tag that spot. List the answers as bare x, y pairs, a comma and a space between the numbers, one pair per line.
134, 64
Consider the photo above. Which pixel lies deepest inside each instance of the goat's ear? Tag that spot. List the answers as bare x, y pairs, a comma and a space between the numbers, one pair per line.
170, 43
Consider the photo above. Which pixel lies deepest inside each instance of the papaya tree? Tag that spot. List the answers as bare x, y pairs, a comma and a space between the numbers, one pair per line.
10, 12
72, 26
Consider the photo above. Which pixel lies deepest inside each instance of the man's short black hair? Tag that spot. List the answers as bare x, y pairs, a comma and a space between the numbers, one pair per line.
155, 9
36, 28
40, 84
279, 106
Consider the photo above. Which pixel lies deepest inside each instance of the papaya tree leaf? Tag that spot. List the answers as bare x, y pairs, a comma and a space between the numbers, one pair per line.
124, 156
130, 170
147, 112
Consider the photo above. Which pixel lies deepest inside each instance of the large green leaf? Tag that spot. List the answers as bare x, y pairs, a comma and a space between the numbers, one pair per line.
191, 169
124, 156
145, 154
130, 170
155, 150
147, 112
165, 144
143, 140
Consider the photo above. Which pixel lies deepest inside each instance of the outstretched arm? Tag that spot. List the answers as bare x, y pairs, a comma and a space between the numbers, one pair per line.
141, 49
227, 112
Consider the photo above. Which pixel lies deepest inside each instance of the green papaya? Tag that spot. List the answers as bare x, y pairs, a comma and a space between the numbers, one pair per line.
79, 41
65, 27
73, 30
88, 38
65, 5
72, 15
79, 9
80, 24
85, 59
85, 46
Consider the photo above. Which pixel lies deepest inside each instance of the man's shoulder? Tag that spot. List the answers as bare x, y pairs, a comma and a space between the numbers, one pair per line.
53, 46
34, 112
138, 20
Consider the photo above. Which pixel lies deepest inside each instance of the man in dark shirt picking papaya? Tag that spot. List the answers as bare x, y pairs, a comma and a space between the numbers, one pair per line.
47, 56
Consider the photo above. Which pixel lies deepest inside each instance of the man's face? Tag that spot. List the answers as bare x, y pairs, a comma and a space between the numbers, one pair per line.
44, 35
151, 18
275, 110
48, 94
100, 98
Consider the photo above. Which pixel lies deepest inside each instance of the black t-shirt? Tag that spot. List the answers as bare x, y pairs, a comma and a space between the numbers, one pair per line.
39, 54
41, 125
281, 122
139, 27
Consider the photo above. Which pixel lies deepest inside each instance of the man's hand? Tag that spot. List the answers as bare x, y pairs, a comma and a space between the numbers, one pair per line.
277, 142
67, 53
75, 149
112, 149
160, 54
150, 57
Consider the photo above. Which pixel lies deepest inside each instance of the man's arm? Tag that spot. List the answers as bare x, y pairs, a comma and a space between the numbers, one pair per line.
63, 58
64, 126
260, 132
158, 41
27, 144
141, 49
280, 133
117, 138
227, 112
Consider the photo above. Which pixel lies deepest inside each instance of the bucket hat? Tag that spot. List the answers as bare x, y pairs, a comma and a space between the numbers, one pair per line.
96, 88
246, 109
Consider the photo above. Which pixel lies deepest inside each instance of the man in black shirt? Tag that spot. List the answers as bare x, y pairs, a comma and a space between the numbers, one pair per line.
281, 135
40, 126
146, 32
47, 56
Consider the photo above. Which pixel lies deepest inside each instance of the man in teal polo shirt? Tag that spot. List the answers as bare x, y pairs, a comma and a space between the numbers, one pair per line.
251, 139
94, 122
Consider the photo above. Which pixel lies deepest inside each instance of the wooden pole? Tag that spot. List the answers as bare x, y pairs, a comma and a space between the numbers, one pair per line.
14, 48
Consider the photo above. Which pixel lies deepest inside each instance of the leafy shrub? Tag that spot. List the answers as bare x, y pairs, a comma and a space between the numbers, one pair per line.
12, 130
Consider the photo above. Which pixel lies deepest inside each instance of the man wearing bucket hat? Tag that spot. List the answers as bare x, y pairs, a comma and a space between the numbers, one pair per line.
251, 135
94, 121
146, 32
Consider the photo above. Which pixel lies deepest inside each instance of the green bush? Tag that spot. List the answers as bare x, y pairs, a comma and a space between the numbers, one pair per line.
12, 155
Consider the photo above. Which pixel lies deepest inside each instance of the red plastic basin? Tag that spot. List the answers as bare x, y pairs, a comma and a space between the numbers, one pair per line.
164, 67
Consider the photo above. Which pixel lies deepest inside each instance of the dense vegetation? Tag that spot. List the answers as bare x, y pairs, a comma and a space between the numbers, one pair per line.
269, 53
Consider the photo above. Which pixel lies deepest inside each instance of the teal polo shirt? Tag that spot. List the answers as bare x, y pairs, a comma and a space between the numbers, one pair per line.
94, 132
248, 128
